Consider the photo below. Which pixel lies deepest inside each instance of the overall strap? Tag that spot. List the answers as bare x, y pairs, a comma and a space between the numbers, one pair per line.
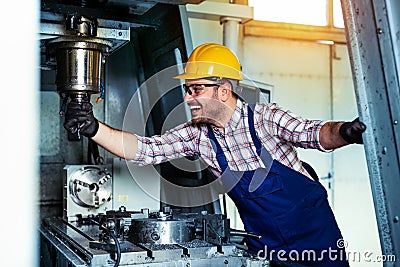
223, 164
254, 136
218, 149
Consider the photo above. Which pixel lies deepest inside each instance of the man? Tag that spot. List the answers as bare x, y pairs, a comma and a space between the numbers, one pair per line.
253, 148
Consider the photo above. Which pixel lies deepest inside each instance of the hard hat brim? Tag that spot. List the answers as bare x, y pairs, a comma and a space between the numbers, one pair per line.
206, 69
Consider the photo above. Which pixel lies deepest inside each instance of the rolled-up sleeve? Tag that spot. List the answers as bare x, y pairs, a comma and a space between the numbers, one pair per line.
176, 143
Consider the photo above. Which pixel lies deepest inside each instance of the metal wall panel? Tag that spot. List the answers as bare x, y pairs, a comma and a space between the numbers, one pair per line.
373, 33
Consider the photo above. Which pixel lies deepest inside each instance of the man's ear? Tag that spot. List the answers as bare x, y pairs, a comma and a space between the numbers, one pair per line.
225, 91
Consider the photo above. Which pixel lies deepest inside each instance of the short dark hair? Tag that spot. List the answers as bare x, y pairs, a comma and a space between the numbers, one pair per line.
233, 83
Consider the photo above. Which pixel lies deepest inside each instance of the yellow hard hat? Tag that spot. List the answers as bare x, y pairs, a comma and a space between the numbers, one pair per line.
212, 60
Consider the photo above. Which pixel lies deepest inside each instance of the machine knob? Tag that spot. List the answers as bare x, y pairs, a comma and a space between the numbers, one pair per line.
155, 236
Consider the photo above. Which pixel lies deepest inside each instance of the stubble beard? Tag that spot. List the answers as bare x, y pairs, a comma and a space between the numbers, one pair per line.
210, 114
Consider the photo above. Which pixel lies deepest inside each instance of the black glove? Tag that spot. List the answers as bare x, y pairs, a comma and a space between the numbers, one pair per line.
81, 116
351, 132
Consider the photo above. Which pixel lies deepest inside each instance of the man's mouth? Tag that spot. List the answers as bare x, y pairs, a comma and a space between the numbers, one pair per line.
195, 110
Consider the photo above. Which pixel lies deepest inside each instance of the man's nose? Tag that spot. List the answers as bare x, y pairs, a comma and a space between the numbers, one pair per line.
187, 97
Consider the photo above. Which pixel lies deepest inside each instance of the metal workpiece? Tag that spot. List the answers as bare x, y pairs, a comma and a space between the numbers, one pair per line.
372, 29
158, 231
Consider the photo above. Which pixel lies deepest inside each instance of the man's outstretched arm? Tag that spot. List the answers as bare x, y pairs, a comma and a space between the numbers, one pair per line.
120, 143
337, 134
79, 117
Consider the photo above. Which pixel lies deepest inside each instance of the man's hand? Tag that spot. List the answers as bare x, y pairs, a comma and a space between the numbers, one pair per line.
351, 132
80, 116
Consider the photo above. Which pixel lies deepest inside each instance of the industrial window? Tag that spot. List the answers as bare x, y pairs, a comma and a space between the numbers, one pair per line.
308, 12
337, 14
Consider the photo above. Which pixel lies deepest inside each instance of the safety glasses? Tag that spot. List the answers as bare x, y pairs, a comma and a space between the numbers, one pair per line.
197, 89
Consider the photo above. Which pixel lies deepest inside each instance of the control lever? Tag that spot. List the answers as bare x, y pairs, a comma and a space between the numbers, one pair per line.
75, 136
237, 237
235, 232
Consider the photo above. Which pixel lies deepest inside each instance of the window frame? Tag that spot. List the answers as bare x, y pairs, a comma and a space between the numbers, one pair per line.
324, 34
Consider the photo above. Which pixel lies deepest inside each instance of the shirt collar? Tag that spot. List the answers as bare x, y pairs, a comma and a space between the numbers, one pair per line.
236, 116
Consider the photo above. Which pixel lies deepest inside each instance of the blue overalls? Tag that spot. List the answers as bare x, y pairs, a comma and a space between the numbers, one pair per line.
289, 210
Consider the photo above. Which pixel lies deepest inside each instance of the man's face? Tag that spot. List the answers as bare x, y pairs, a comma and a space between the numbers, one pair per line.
203, 100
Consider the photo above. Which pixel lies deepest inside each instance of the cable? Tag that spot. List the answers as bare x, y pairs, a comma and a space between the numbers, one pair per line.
116, 241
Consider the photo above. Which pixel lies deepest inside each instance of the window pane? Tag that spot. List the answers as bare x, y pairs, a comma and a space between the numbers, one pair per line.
337, 14
311, 12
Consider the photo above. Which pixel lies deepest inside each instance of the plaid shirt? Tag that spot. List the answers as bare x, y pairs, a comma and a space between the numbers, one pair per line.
279, 131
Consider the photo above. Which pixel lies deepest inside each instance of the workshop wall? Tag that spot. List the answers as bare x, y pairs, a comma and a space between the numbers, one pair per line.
309, 84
